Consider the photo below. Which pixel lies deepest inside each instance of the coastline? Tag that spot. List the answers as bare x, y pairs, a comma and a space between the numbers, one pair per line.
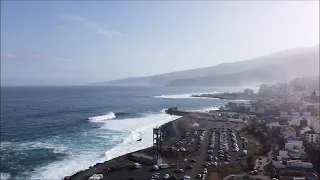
171, 132
225, 97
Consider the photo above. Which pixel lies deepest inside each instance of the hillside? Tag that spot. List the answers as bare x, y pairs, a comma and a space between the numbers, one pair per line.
307, 82
276, 67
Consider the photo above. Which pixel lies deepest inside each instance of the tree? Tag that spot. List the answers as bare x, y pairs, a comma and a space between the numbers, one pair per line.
249, 92
263, 89
314, 95
298, 88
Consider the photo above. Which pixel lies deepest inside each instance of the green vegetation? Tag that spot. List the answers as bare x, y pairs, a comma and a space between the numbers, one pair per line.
228, 169
313, 152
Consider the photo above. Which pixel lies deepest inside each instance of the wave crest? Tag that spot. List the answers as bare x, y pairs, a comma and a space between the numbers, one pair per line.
185, 96
5, 176
102, 118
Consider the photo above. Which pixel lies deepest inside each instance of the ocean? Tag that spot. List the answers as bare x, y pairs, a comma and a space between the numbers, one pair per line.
52, 132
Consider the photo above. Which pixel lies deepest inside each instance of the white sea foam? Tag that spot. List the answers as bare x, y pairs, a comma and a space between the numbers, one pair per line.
135, 129
5, 176
59, 169
206, 109
22, 146
130, 130
212, 108
108, 116
185, 96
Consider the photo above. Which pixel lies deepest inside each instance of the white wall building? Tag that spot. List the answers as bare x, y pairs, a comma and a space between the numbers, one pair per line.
306, 113
283, 113
291, 146
283, 154
313, 122
304, 130
312, 137
292, 163
294, 121
294, 142
295, 113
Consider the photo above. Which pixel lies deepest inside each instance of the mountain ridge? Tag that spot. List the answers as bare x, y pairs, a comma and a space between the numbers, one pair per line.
292, 63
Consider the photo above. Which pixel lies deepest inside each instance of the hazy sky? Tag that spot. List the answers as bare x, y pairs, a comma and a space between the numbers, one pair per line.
78, 42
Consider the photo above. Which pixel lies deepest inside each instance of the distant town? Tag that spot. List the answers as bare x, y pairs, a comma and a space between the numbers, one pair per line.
270, 134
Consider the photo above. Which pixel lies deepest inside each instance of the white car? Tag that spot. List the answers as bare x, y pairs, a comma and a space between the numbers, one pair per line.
203, 176
184, 160
205, 171
166, 176
186, 177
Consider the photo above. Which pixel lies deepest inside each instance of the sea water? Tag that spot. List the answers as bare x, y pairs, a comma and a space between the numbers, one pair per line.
53, 132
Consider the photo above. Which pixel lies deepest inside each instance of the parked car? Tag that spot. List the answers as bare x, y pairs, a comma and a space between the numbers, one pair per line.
186, 177
179, 171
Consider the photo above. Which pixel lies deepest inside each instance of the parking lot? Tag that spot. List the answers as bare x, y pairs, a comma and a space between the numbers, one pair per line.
199, 149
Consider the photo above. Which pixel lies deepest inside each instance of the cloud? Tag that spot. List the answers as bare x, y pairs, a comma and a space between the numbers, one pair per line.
61, 59
107, 33
9, 55
71, 17
33, 56
154, 54
37, 55
91, 25
139, 54
121, 49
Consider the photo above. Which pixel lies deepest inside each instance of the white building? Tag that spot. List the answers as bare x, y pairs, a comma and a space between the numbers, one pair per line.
313, 122
257, 109
291, 164
291, 146
304, 130
312, 137
306, 113
295, 113
260, 109
294, 142
283, 113
283, 154
294, 121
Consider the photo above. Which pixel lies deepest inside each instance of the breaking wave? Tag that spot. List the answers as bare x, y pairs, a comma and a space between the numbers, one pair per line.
108, 116
23, 146
185, 96
5, 176
125, 133
134, 129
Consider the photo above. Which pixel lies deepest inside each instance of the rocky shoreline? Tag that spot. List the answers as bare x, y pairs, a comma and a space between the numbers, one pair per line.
225, 97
